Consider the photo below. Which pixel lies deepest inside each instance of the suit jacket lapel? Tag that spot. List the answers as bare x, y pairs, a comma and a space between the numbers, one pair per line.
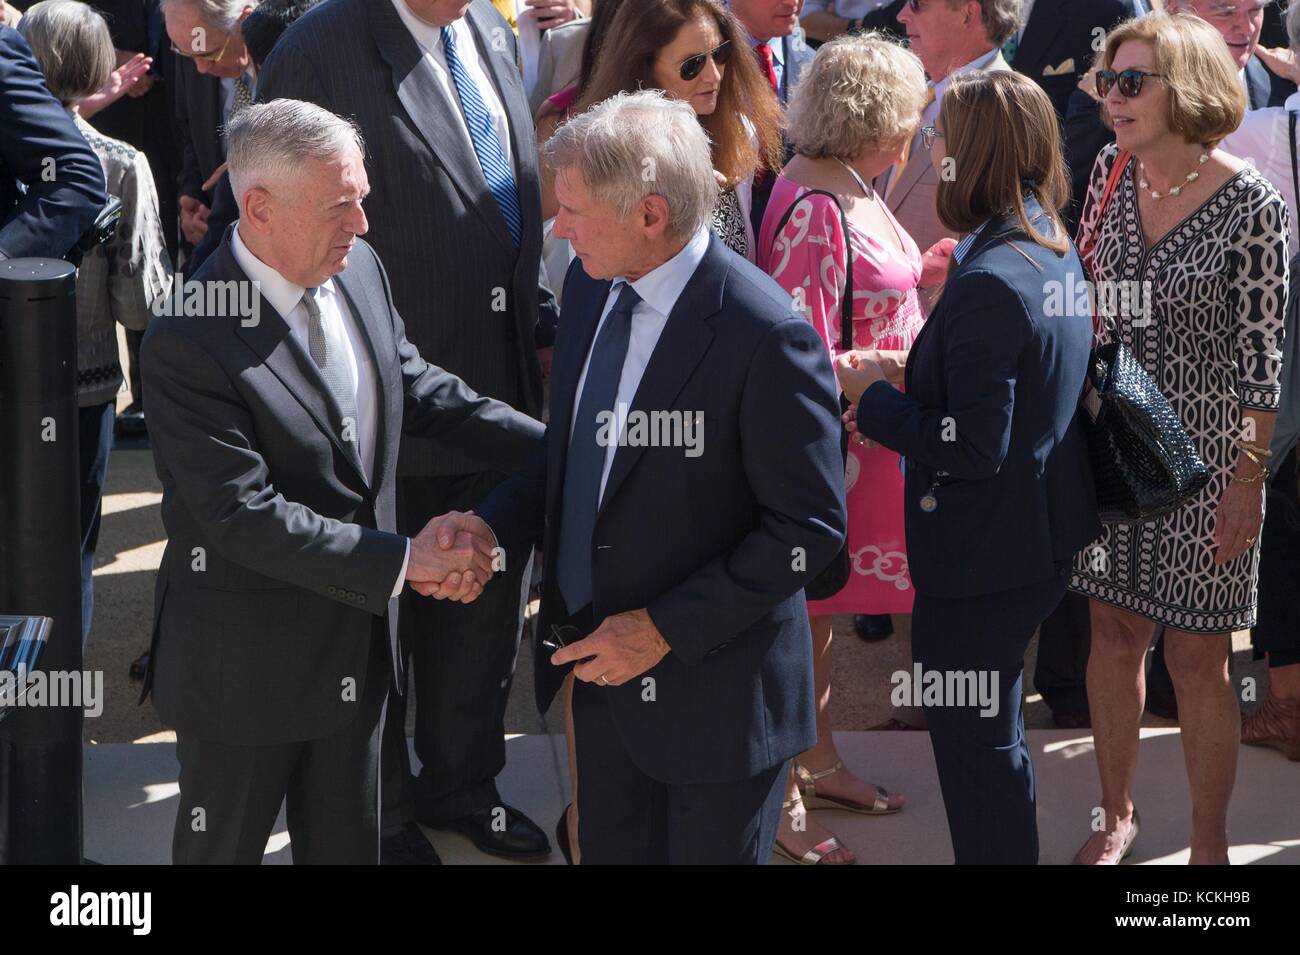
433, 114
372, 318
680, 348
274, 344
918, 162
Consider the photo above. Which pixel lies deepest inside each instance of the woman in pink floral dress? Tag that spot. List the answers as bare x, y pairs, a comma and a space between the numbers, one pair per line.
851, 119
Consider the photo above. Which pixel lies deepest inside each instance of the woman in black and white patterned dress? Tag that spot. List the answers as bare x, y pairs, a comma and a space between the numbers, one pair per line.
1191, 252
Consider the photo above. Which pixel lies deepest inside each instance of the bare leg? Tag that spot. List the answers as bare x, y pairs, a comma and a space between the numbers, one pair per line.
1211, 729
1116, 693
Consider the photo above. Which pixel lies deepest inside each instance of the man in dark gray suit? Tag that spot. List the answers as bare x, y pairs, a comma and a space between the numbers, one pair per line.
282, 379
213, 82
456, 213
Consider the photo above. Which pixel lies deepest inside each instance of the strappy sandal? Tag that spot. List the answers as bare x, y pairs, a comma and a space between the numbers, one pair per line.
817, 853
808, 787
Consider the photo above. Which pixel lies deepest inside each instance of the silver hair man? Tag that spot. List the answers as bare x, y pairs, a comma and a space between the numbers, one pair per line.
221, 14
269, 141
635, 145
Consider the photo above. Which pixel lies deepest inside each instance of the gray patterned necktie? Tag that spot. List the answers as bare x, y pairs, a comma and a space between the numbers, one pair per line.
333, 368
241, 99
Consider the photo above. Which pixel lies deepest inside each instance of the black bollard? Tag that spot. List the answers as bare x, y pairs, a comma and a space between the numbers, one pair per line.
40, 547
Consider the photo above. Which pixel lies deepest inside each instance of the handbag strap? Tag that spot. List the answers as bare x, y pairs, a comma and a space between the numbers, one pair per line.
1112, 182
846, 302
1295, 169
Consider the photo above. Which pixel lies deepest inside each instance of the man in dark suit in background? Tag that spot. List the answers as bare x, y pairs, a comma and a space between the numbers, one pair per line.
677, 562
456, 215
778, 42
213, 84
275, 435
44, 208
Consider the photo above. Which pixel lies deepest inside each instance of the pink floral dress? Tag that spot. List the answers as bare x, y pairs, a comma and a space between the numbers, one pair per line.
808, 260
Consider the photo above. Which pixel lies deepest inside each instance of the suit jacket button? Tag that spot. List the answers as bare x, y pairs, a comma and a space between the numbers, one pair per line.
331, 589
361, 598
352, 595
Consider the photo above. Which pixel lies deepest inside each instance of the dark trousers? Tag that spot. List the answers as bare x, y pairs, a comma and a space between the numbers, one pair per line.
985, 771
94, 441
1277, 629
461, 660
627, 818
230, 795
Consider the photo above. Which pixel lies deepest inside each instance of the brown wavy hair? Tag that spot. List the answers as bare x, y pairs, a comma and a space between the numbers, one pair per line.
626, 64
1002, 135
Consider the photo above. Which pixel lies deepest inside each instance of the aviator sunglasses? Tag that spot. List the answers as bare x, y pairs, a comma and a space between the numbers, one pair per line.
692, 66
1128, 81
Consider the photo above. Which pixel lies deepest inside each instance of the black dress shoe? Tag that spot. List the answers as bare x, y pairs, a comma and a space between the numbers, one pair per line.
518, 838
873, 626
408, 846
562, 836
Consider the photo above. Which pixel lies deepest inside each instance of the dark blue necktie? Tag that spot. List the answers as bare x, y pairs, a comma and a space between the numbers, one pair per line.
586, 459
483, 134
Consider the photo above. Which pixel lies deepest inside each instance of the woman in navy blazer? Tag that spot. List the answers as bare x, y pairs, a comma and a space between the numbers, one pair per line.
998, 493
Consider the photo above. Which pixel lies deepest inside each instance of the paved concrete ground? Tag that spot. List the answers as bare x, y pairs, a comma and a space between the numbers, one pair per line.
131, 801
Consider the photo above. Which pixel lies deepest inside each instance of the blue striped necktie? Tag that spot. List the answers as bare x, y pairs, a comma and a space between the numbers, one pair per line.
483, 134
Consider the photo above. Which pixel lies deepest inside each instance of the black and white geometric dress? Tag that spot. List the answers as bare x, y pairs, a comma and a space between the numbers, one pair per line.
1208, 328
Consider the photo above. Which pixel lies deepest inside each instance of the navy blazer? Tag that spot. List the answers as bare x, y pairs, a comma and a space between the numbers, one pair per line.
40, 216
988, 422
717, 547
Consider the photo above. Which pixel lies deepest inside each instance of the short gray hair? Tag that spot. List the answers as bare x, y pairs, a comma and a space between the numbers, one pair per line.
1001, 17
271, 140
73, 46
634, 145
1293, 26
222, 14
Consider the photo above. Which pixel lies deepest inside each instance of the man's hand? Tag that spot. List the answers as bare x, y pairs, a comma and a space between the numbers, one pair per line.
623, 647
452, 557
551, 13
194, 219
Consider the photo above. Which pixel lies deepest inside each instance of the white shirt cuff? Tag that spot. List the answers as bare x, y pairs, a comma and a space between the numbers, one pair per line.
401, 578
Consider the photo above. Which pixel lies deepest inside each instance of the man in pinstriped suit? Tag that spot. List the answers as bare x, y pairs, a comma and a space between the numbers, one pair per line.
455, 215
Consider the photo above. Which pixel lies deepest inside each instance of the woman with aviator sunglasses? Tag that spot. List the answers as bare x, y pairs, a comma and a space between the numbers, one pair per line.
688, 49
1187, 247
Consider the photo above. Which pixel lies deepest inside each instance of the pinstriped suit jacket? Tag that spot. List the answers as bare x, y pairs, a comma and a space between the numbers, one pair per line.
472, 303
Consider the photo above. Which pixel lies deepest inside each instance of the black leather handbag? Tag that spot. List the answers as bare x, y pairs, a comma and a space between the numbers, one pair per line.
1143, 463
836, 574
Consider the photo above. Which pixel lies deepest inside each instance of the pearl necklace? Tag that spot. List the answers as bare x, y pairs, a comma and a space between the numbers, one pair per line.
1191, 178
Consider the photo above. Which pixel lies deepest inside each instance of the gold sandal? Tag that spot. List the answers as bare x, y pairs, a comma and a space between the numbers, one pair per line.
817, 853
808, 787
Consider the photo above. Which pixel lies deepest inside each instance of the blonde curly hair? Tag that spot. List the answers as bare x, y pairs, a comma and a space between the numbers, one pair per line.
861, 92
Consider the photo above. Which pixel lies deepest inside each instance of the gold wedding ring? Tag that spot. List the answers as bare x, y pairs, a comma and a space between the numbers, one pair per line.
603, 681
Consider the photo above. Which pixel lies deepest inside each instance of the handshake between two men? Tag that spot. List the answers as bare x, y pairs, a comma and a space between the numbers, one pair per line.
454, 557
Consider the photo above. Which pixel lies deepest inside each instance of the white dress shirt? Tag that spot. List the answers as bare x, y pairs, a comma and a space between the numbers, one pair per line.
659, 290
429, 38
1261, 140
343, 334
